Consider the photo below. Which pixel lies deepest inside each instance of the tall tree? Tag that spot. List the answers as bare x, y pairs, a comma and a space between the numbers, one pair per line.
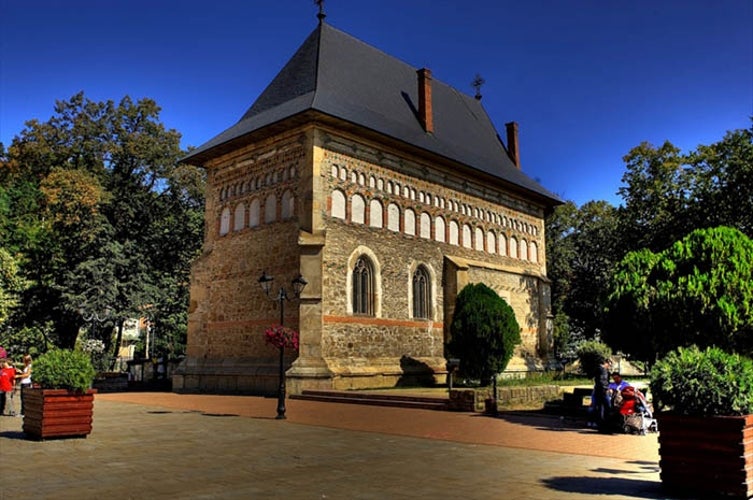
106, 218
582, 250
655, 194
721, 182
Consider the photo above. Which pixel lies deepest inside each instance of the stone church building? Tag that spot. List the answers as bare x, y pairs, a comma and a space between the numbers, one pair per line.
388, 191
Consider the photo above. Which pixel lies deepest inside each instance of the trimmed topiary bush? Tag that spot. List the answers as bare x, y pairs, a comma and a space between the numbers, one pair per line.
590, 354
64, 369
694, 382
484, 333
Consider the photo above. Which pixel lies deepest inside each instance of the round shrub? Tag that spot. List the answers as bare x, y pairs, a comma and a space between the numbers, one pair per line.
484, 332
64, 369
591, 354
690, 381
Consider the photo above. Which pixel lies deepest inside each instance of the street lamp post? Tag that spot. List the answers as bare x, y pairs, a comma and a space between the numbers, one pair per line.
298, 284
94, 318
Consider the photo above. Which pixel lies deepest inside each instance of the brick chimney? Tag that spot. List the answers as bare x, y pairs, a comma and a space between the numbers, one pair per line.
512, 142
425, 115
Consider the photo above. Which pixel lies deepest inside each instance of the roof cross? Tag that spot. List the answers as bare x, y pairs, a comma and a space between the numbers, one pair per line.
321, 15
476, 84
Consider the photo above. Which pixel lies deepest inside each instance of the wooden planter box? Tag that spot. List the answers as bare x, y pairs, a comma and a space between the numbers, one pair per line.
55, 413
706, 456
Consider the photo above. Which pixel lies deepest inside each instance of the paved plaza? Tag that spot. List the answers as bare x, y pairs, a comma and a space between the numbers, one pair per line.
164, 445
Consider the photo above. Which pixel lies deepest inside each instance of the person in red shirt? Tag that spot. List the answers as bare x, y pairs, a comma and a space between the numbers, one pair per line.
7, 381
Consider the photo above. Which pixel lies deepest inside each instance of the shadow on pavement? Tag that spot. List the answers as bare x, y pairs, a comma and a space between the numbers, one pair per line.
13, 434
543, 421
637, 488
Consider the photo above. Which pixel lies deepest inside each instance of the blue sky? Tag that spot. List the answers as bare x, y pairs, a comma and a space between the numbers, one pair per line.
587, 80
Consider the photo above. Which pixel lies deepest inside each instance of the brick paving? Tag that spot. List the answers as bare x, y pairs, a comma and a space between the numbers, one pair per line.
165, 445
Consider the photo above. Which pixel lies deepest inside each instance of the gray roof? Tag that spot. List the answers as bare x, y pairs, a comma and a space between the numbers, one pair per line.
338, 75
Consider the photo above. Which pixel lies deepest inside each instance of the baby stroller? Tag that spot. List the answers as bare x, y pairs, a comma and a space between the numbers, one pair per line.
631, 412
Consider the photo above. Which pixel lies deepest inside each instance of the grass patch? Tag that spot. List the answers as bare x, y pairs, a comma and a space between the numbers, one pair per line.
545, 378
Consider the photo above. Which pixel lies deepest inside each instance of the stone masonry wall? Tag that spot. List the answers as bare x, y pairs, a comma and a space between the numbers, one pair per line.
228, 311
356, 345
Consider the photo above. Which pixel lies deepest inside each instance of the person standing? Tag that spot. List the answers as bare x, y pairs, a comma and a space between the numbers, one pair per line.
7, 383
25, 379
601, 395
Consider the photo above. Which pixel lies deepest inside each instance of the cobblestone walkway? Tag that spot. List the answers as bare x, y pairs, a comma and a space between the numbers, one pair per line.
164, 445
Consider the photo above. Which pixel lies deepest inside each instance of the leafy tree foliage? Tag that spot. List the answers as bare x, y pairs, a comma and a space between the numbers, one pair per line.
591, 354
484, 332
105, 218
654, 192
582, 250
721, 179
698, 291
666, 194
11, 284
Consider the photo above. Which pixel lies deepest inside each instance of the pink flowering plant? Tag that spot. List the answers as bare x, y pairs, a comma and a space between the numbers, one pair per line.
281, 336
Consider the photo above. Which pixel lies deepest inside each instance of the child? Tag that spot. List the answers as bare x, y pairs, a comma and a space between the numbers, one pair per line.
7, 383
25, 379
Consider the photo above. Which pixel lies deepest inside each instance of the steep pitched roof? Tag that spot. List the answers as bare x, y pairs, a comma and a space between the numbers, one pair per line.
343, 77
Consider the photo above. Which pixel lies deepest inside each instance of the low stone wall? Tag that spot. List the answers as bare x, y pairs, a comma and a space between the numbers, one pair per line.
475, 399
111, 382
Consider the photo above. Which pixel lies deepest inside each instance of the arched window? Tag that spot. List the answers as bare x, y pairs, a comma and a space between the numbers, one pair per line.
363, 287
225, 221
421, 293
425, 225
393, 217
239, 220
479, 239
410, 222
375, 213
358, 209
454, 232
466, 236
270, 209
288, 205
502, 244
338, 204
513, 248
253, 213
439, 229
491, 242
534, 249
523, 250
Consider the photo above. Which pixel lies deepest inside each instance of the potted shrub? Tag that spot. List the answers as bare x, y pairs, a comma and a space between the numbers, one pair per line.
63, 404
704, 400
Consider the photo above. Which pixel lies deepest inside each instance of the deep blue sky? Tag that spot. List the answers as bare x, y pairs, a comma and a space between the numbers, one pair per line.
587, 80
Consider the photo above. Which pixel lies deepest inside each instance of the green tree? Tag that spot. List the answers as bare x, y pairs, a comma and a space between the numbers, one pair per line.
11, 284
591, 355
582, 250
629, 323
106, 218
484, 332
699, 291
721, 182
654, 213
